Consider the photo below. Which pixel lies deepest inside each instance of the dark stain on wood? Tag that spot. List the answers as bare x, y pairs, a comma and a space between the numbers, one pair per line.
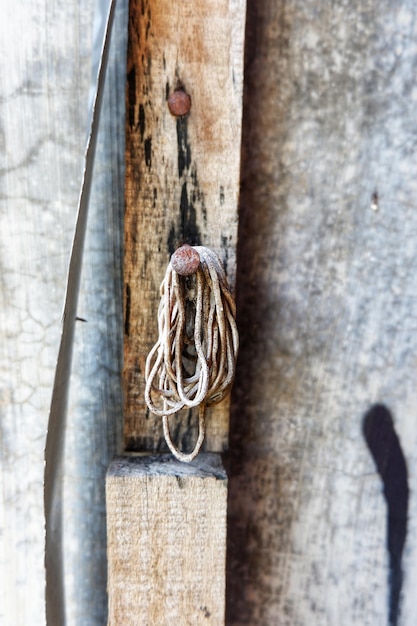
127, 310
188, 215
225, 248
186, 229
141, 119
184, 148
147, 145
131, 82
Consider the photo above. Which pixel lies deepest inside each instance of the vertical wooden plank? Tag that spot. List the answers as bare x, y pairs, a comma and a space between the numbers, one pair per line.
167, 520
44, 81
95, 419
182, 174
45, 78
327, 289
168, 566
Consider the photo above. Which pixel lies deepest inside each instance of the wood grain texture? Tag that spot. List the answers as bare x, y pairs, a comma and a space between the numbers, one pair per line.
95, 420
182, 176
166, 525
45, 79
327, 312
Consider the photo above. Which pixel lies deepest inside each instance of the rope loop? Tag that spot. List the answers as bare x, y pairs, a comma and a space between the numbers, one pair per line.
193, 361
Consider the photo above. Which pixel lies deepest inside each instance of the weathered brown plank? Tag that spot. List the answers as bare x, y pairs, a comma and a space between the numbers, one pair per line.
166, 525
182, 174
167, 520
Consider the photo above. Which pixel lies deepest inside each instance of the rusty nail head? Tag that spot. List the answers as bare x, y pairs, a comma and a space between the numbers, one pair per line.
179, 103
185, 260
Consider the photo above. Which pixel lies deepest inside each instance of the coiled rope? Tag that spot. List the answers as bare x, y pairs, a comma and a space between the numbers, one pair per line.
193, 362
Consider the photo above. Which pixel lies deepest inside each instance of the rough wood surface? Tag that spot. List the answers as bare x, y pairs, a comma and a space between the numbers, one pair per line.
327, 286
182, 175
166, 525
44, 82
45, 79
327, 302
94, 419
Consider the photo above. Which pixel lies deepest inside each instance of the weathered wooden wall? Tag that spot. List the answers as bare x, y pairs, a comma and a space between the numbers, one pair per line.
327, 311
326, 291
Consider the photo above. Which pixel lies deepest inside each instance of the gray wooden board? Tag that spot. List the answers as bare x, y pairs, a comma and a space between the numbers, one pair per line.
94, 430
45, 77
44, 81
327, 311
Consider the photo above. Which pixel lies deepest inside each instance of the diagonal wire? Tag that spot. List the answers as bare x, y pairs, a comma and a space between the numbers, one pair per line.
55, 440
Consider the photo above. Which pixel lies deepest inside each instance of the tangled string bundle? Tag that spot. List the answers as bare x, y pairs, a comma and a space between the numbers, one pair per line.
193, 362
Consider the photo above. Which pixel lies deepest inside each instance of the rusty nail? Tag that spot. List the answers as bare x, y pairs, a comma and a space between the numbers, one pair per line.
185, 260
179, 103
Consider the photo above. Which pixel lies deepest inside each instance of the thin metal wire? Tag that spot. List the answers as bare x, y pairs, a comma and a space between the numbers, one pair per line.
193, 362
